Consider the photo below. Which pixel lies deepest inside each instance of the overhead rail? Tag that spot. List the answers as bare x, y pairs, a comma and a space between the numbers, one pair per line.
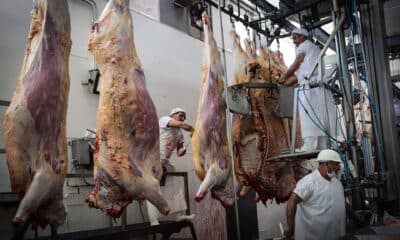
267, 11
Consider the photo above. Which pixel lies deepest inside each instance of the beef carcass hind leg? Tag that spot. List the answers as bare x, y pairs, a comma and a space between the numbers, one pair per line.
126, 157
35, 122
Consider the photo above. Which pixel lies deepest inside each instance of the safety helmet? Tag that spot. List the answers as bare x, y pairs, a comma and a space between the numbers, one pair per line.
328, 155
300, 31
176, 110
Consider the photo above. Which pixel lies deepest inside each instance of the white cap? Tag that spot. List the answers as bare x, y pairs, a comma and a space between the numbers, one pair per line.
328, 155
176, 110
300, 31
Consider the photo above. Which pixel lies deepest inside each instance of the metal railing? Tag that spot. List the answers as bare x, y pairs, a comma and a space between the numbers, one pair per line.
4, 103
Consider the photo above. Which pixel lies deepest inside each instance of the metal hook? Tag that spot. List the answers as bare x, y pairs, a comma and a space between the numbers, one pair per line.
278, 44
231, 17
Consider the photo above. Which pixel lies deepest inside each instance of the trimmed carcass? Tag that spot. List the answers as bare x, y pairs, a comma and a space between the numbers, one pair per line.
127, 155
209, 141
35, 122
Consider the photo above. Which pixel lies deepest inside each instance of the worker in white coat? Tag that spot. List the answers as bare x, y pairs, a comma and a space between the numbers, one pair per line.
316, 208
171, 136
317, 105
171, 139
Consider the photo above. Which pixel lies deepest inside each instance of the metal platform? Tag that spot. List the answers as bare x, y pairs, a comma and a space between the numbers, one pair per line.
294, 156
9, 198
166, 228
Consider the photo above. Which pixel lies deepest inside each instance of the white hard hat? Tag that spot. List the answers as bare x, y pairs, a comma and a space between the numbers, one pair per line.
328, 155
300, 31
176, 110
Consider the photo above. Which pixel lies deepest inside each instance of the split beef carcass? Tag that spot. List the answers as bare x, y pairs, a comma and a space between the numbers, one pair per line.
248, 137
273, 61
126, 157
273, 180
209, 141
35, 122
261, 135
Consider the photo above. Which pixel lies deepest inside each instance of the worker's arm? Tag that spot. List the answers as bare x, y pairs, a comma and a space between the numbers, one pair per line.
293, 68
180, 149
180, 124
291, 213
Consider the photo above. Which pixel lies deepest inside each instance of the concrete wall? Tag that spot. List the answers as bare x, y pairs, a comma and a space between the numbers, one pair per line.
172, 64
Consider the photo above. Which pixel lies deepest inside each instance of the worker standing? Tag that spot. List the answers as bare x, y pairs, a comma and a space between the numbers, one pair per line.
316, 208
171, 139
171, 136
317, 104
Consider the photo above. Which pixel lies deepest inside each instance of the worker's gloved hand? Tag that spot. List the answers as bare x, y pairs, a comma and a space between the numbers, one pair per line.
191, 132
181, 151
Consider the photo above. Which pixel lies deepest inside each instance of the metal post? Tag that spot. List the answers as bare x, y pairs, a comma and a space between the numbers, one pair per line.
124, 218
186, 185
294, 121
53, 230
229, 124
347, 88
338, 25
381, 88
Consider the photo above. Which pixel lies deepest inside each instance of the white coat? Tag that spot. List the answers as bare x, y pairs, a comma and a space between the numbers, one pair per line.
318, 102
322, 213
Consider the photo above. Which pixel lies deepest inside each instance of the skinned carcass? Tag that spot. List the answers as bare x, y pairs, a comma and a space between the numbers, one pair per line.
126, 157
261, 135
250, 133
35, 122
209, 141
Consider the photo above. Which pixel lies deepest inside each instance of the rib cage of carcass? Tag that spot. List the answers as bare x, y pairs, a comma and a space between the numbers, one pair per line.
262, 134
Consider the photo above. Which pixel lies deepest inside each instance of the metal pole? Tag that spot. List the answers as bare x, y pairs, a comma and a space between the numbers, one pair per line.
294, 121
124, 219
229, 124
53, 230
338, 25
347, 88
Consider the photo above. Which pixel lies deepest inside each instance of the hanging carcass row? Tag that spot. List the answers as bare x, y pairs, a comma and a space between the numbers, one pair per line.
209, 141
35, 122
127, 157
261, 135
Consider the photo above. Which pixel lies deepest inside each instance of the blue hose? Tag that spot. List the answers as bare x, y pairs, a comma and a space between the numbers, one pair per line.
333, 140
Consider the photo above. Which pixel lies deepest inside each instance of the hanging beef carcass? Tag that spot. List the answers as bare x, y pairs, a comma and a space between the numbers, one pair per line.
126, 158
35, 122
273, 62
261, 135
274, 180
209, 141
248, 137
